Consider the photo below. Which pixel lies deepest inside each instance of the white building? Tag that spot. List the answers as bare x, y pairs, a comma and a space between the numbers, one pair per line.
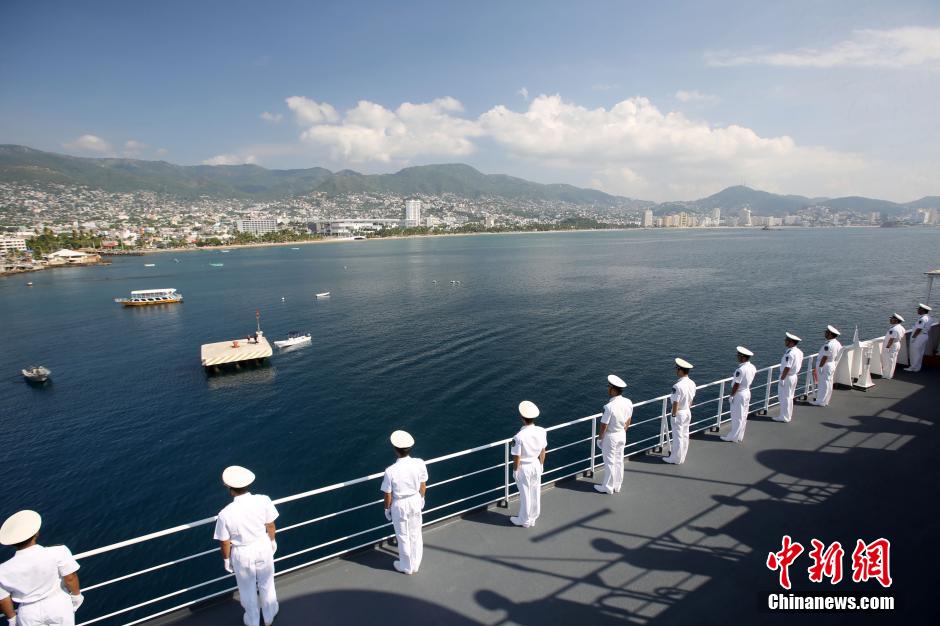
352, 227
716, 215
648, 218
257, 226
12, 244
744, 217
412, 213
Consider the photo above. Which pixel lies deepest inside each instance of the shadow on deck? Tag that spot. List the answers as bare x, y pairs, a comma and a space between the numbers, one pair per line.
679, 545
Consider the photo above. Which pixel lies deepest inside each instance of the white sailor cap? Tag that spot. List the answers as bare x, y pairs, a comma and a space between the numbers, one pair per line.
744, 351
897, 317
401, 439
683, 364
237, 477
528, 410
924, 307
616, 381
793, 337
19, 527
832, 329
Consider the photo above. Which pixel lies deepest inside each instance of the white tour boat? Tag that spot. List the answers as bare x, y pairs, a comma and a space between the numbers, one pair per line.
293, 339
36, 374
147, 297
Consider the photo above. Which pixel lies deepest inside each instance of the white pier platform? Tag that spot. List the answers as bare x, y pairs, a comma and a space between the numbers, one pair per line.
234, 351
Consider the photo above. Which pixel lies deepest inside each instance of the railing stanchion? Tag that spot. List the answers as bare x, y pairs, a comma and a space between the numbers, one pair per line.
662, 427
721, 408
592, 452
770, 374
504, 503
806, 381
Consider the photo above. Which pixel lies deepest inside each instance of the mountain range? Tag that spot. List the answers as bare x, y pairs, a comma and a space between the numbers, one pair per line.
21, 164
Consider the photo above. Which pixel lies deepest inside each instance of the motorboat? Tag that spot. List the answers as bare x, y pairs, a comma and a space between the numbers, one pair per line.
150, 264
217, 264
36, 374
29, 284
325, 294
147, 297
293, 339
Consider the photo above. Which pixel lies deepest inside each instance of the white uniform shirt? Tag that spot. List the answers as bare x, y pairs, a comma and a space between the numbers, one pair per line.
242, 521
792, 358
832, 349
924, 324
404, 478
617, 413
896, 332
744, 376
35, 572
529, 442
683, 392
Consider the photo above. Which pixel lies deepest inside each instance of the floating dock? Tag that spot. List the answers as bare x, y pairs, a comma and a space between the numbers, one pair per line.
235, 351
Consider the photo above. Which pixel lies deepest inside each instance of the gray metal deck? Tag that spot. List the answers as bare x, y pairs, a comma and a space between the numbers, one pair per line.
680, 545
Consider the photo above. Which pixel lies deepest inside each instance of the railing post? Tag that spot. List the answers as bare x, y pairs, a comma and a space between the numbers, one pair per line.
806, 382
770, 375
590, 472
504, 503
662, 427
721, 407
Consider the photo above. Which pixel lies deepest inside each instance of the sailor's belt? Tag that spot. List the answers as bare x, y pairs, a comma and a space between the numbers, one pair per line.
410, 495
527, 461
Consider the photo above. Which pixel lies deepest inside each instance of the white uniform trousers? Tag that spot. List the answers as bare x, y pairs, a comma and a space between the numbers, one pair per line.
918, 347
824, 388
612, 447
406, 518
529, 482
254, 573
889, 359
680, 436
53, 610
739, 405
786, 389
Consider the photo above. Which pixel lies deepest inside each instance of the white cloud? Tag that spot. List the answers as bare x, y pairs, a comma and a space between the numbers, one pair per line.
639, 150
89, 143
133, 148
524, 92
892, 48
230, 159
697, 96
308, 111
370, 132
274, 118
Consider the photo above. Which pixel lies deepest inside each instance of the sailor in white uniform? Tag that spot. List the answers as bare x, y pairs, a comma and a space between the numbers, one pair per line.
892, 345
612, 434
790, 365
741, 395
919, 338
404, 486
826, 366
245, 528
683, 392
36, 578
528, 457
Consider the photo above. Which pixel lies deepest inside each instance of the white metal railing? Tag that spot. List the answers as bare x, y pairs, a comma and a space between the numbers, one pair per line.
708, 395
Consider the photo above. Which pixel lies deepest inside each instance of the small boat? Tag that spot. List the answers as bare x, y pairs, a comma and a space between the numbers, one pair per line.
293, 339
176, 260
283, 299
150, 264
217, 264
225, 251
434, 281
325, 294
147, 297
36, 374
295, 248
29, 284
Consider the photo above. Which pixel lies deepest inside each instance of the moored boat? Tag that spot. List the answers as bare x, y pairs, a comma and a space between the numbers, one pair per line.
147, 297
325, 294
293, 339
36, 374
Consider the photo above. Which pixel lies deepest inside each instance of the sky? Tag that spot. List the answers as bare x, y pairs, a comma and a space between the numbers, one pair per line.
658, 101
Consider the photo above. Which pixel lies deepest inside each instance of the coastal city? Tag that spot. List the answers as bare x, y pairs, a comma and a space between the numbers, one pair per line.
54, 225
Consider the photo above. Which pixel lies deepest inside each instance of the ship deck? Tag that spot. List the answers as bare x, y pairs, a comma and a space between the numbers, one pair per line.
680, 545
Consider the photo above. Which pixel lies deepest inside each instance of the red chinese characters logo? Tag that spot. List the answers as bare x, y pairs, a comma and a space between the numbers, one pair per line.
869, 561
783, 559
826, 563
872, 560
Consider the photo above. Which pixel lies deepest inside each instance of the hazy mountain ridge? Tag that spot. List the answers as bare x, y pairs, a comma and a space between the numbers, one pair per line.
23, 164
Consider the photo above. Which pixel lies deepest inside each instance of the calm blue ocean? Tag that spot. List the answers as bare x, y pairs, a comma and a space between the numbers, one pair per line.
132, 435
